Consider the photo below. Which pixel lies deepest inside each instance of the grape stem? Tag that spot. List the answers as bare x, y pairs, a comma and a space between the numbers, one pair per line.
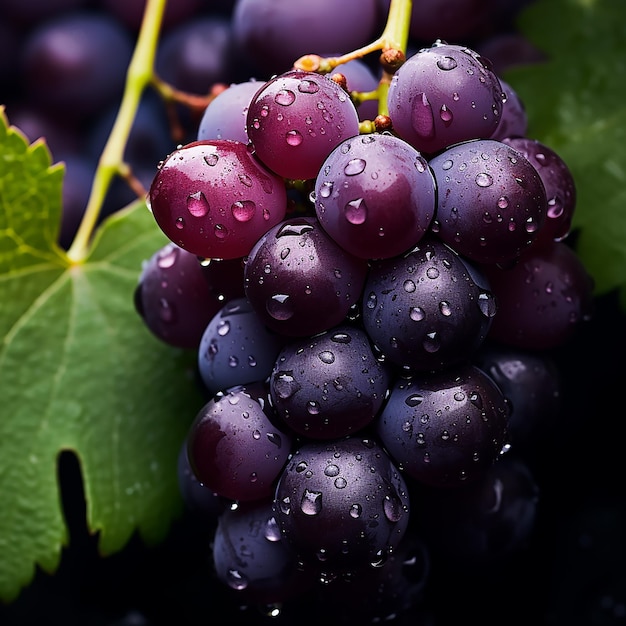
139, 76
394, 39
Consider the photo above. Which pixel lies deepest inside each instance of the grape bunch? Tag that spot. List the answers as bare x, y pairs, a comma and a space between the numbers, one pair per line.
372, 308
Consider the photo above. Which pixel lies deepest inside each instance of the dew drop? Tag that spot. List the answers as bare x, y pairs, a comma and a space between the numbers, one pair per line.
483, 180
293, 138
285, 385
308, 86
355, 511
326, 189
446, 165
354, 167
285, 97
221, 232
431, 342
356, 211
487, 304
331, 470
313, 407
243, 210
446, 115
311, 503
409, 286
279, 306
445, 308
223, 328
211, 159
432, 272
417, 314
197, 204
392, 508
341, 337
326, 356
340, 482
415, 399
272, 530
446, 63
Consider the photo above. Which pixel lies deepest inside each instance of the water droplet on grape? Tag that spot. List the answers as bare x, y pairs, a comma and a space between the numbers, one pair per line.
197, 204
356, 211
356, 510
392, 507
326, 356
326, 189
211, 159
243, 210
285, 97
354, 167
311, 503
285, 385
236, 580
446, 115
293, 138
168, 257
417, 314
431, 342
331, 470
308, 86
446, 63
483, 180
279, 306
415, 399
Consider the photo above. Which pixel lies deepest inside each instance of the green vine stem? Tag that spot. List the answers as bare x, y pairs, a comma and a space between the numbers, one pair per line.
139, 76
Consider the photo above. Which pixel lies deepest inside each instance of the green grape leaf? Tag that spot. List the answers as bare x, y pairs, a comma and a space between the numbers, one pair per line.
79, 372
576, 104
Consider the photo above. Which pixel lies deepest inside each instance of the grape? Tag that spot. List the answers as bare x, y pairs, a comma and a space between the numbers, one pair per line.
236, 348
559, 185
251, 557
299, 281
197, 498
531, 382
443, 95
234, 447
76, 63
225, 115
342, 505
514, 121
509, 49
130, 12
491, 200
360, 78
427, 309
447, 428
197, 53
276, 32
375, 196
481, 523
173, 298
543, 299
215, 199
448, 19
296, 119
330, 385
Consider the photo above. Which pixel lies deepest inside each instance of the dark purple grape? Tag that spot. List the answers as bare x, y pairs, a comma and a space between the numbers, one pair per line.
299, 281
173, 297
491, 200
375, 196
225, 115
443, 95
427, 309
234, 447
559, 184
452, 20
379, 595
197, 53
482, 523
342, 505
215, 199
330, 385
76, 63
274, 33
296, 119
197, 499
532, 383
236, 348
543, 299
514, 120
251, 557
447, 428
